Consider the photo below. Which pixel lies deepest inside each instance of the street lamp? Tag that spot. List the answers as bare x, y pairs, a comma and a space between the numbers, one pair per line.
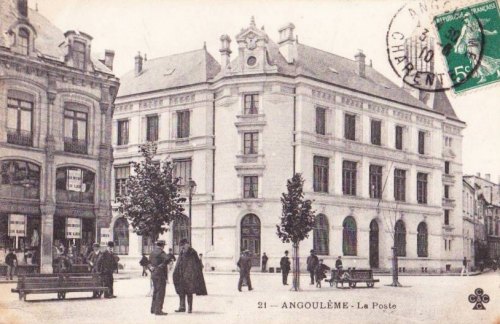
192, 190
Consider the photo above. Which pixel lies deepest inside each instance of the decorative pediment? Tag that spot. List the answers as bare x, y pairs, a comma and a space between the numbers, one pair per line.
251, 35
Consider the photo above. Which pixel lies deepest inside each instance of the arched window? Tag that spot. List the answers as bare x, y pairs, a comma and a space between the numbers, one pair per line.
422, 240
120, 236
75, 185
180, 231
321, 235
349, 236
23, 41
19, 179
400, 238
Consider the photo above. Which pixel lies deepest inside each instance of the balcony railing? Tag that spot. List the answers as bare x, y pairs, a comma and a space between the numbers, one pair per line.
75, 146
19, 137
74, 196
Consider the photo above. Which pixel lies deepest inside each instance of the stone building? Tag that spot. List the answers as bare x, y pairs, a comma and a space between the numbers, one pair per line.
56, 107
378, 162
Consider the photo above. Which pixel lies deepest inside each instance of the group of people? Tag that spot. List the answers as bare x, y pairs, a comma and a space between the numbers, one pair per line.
317, 269
105, 263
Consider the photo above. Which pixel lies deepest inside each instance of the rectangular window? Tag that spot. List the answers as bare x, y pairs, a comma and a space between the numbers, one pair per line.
152, 128
251, 143
183, 124
19, 122
251, 104
422, 188
376, 129
421, 142
349, 178
78, 54
446, 191
446, 167
399, 185
75, 131
399, 137
375, 181
320, 181
23, 41
250, 186
350, 127
182, 169
320, 121
446, 217
121, 176
122, 132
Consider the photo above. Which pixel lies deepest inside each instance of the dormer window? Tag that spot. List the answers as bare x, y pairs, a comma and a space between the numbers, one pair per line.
79, 55
23, 41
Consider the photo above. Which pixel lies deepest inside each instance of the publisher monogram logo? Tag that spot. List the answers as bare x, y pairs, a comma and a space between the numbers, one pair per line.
479, 298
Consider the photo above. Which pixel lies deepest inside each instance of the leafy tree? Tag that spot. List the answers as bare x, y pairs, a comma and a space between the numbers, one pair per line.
297, 220
151, 197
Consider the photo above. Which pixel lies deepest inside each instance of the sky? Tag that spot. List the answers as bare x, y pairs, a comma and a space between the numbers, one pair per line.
163, 27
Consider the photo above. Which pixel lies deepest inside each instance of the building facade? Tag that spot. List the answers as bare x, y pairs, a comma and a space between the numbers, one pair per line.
56, 107
382, 164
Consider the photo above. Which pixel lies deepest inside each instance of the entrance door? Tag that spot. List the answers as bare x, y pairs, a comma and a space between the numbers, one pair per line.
374, 244
250, 237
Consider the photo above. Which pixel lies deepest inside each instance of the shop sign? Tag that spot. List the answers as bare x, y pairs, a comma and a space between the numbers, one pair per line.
17, 225
73, 228
105, 236
74, 180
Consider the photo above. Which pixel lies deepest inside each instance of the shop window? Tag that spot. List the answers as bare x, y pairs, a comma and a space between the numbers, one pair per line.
349, 236
75, 185
422, 240
321, 235
400, 238
19, 179
19, 120
120, 236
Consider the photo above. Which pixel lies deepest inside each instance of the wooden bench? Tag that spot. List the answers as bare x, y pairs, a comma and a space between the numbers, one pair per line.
61, 284
352, 278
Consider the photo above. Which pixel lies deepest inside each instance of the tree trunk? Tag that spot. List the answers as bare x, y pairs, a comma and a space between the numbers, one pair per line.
296, 267
395, 281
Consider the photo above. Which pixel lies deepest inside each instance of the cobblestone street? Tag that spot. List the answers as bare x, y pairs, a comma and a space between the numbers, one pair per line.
422, 299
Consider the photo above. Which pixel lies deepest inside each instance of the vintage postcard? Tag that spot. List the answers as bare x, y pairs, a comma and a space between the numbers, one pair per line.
249, 161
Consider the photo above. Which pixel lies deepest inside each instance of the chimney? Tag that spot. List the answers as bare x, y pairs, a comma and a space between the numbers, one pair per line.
138, 64
109, 56
22, 8
478, 174
360, 58
287, 45
225, 50
488, 176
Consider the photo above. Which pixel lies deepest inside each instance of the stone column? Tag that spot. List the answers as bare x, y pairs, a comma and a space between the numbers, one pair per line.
47, 235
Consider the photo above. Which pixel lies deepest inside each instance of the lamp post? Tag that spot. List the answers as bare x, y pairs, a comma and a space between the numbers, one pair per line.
192, 190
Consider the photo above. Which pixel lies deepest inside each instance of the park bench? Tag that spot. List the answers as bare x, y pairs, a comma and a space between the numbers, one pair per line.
353, 278
61, 284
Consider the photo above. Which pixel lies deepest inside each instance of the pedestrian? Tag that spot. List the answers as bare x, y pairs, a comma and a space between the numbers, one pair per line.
264, 262
319, 272
245, 265
188, 276
144, 264
172, 259
158, 262
285, 268
11, 261
464, 267
106, 265
312, 263
338, 263
92, 261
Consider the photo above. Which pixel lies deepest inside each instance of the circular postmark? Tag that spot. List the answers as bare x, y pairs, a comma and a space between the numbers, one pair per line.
421, 44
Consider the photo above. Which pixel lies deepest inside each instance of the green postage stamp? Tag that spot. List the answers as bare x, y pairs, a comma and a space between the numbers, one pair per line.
470, 43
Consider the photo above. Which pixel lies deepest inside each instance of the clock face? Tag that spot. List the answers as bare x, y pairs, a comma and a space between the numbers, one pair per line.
251, 61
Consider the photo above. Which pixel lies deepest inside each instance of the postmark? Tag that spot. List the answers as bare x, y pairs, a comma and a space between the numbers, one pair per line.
470, 41
419, 57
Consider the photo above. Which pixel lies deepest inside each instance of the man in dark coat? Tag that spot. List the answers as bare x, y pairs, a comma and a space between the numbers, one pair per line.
11, 262
264, 262
285, 267
245, 264
312, 262
158, 261
106, 265
188, 276
92, 261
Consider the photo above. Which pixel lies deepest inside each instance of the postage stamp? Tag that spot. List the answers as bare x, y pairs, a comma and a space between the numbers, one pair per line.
470, 44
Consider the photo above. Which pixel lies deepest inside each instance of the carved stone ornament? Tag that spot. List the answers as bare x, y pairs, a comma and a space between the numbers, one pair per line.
251, 41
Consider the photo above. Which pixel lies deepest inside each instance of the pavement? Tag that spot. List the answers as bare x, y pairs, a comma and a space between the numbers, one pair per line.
422, 299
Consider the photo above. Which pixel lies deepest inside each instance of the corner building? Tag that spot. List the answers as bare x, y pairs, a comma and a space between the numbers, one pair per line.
56, 106
378, 161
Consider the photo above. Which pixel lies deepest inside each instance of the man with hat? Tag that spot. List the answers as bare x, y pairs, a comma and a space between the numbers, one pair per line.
158, 261
188, 276
245, 264
312, 263
106, 265
92, 260
285, 268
